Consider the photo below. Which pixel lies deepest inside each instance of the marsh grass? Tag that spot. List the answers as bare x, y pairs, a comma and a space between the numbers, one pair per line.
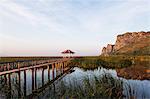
104, 86
15, 59
106, 62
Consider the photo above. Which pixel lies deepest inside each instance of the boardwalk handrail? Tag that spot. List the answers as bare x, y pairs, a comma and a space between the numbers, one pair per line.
54, 69
5, 67
28, 60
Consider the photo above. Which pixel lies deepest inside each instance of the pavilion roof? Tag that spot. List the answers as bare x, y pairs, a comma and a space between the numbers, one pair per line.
67, 52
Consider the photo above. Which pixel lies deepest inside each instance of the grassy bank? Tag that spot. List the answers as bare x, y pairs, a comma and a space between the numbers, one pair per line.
107, 62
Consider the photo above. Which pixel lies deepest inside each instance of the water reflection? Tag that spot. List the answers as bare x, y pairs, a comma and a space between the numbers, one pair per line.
139, 89
25, 83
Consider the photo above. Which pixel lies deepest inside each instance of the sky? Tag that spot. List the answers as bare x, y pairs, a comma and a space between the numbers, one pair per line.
48, 27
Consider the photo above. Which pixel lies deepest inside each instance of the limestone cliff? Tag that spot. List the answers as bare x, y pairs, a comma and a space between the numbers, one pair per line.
108, 50
130, 43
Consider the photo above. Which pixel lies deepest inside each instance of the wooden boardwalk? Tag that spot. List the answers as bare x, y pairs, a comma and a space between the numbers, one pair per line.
57, 62
51, 69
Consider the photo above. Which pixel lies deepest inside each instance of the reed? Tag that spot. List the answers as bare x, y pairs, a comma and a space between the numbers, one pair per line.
107, 62
104, 86
15, 59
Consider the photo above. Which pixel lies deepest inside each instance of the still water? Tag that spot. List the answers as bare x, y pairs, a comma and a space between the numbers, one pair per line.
138, 88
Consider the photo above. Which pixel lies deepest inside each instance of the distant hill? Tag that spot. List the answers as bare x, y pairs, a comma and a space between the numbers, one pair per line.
130, 43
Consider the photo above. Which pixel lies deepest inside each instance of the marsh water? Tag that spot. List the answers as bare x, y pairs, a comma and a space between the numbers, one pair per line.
138, 88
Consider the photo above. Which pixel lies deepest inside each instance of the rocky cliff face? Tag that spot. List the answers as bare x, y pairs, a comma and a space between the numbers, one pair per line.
108, 50
124, 40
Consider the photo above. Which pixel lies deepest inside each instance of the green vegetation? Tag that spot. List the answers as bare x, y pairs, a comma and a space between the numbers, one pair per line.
104, 86
14, 59
86, 63
107, 62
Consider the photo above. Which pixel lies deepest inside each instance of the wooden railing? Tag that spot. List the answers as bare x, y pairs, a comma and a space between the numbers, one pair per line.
22, 64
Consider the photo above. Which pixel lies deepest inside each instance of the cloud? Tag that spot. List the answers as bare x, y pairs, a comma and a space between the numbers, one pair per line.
17, 9
72, 23
11, 9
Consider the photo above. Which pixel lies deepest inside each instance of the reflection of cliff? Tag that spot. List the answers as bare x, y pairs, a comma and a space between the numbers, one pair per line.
138, 71
129, 43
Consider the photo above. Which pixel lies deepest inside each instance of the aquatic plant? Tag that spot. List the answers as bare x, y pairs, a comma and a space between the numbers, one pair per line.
104, 86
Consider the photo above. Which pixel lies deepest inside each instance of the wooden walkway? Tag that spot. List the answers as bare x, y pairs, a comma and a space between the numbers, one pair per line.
47, 63
50, 70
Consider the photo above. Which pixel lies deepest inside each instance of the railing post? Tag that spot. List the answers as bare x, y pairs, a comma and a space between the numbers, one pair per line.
25, 83
13, 65
18, 65
5, 67
56, 64
9, 83
53, 66
19, 84
8, 66
32, 79
0, 67
63, 67
35, 78
43, 77
48, 72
